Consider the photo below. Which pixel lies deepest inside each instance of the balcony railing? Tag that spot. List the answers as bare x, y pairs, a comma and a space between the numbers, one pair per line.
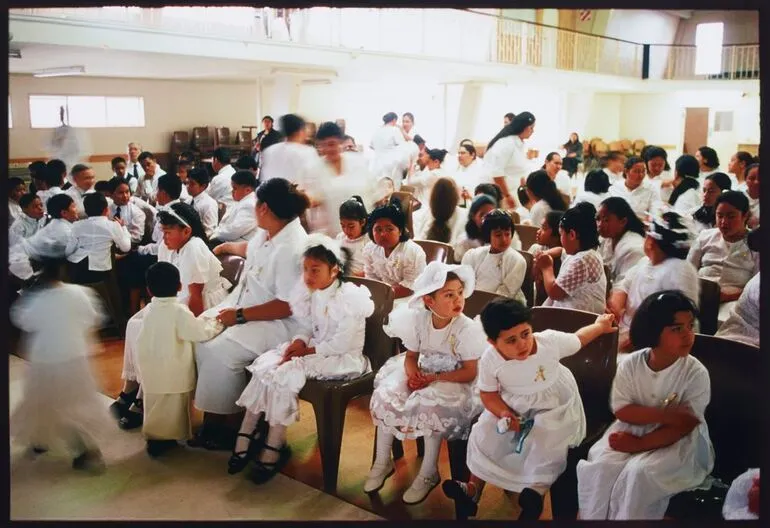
471, 36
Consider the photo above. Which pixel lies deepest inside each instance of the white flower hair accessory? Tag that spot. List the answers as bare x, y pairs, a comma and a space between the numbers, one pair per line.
434, 276
661, 229
319, 239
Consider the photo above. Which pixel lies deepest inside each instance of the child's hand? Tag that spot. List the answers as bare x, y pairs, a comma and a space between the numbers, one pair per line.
544, 261
294, 349
681, 416
220, 249
624, 442
515, 423
605, 322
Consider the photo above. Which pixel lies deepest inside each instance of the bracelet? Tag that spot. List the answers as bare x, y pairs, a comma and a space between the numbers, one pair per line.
239, 318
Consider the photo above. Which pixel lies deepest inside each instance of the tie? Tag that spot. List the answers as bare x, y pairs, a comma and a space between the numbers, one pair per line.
136, 171
117, 213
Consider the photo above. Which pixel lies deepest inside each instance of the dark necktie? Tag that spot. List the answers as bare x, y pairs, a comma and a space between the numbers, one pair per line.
136, 172
117, 213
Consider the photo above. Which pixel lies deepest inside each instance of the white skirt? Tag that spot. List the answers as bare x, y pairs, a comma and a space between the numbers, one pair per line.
559, 423
442, 408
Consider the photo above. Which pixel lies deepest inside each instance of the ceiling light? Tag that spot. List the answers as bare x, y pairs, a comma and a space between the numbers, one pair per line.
60, 72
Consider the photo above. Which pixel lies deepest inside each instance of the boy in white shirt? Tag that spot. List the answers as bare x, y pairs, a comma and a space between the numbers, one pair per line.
207, 207
119, 170
84, 179
240, 220
51, 185
148, 184
92, 241
16, 189
30, 220
124, 208
219, 187
168, 191
166, 359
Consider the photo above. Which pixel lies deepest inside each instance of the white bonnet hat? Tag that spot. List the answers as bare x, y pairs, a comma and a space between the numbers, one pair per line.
319, 239
433, 278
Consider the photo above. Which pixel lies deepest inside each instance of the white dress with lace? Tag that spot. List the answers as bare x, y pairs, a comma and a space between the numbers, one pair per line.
501, 273
402, 266
582, 277
356, 248
442, 408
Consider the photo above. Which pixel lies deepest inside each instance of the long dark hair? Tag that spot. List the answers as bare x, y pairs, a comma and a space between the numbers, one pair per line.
687, 169
443, 202
323, 254
543, 187
621, 208
189, 215
471, 229
516, 127
582, 220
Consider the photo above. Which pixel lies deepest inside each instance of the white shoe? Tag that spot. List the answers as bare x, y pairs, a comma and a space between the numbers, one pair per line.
377, 476
420, 488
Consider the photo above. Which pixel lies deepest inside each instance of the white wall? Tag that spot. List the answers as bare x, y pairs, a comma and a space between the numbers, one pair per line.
593, 115
646, 27
741, 27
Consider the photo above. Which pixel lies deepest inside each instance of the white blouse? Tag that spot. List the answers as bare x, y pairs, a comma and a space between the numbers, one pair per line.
403, 266
471, 176
743, 322
581, 276
197, 265
93, 238
687, 201
501, 273
508, 158
208, 210
51, 241
625, 255
563, 182
538, 212
592, 198
753, 207
356, 248
220, 188
239, 222
643, 200
664, 193
285, 160
24, 227
728, 263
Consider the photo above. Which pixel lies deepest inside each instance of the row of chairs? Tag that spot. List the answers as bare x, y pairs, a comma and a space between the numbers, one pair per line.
204, 140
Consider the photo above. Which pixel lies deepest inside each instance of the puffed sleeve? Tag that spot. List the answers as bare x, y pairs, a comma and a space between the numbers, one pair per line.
299, 302
198, 264
470, 340
349, 309
413, 264
404, 323
488, 365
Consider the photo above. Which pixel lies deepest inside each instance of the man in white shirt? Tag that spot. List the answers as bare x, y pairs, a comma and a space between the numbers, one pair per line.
16, 189
29, 221
148, 184
169, 189
207, 207
134, 168
288, 158
389, 136
132, 215
219, 188
84, 179
92, 240
240, 220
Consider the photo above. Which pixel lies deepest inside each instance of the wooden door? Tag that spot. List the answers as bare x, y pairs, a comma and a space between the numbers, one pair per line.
696, 129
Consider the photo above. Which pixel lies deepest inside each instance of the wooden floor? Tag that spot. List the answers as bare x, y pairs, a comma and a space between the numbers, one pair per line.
355, 459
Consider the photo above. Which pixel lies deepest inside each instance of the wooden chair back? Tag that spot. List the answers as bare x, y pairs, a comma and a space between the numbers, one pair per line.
222, 135
477, 301
243, 138
708, 306
378, 346
232, 268
528, 286
438, 251
527, 235
408, 189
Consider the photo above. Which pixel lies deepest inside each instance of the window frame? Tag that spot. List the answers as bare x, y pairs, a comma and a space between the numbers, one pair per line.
139, 98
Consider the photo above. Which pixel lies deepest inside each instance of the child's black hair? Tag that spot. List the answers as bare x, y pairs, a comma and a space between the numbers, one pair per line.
57, 204
552, 218
490, 189
655, 313
27, 199
480, 200
199, 176
188, 213
323, 254
437, 154
735, 198
116, 160
145, 155
650, 152
163, 279
582, 219
103, 186
13, 183
116, 182
58, 167
52, 176
36, 169
503, 314
94, 204
543, 188
393, 212
283, 198
497, 219
246, 163
521, 192
353, 209
710, 157
244, 177
622, 209
721, 180
171, 185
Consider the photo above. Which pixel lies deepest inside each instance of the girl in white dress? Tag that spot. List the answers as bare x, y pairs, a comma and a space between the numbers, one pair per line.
498, 267
752, 191
659, 445
581, 284
184, 245
663, 268
442, 220
705, 216
722, 254
658, 171
481, 206
685, 197
391, 257
533, 412
543, 192
737, 169
328, 346
622, 237
353, 237
61, 404
428, 390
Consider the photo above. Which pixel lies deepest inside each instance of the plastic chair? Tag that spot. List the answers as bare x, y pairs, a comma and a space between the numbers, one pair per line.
708, 306
330, 398
437, 251
527, 235
232, 268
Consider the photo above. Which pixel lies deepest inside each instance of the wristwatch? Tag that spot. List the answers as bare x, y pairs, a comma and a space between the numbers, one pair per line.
239, 318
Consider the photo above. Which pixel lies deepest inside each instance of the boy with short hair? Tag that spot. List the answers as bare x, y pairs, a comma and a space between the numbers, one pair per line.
16, 189
207, 207
240, 220
30, 220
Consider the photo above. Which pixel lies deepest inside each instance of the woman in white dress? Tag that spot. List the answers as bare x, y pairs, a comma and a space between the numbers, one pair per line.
443, 220
547, 198
553, 167
328, 345
722, 254
256, 313
481, 206
596, 188
498, 267
581, 284
428, 390
742, 323
659, 445
391, 257
737, 169
658, 171
622, 237
705, 216
642, 198
407, 126
533, 412
664, 268
185, 246
469, 172
506, 158
685, 197
425, 181
752, 191
353, 217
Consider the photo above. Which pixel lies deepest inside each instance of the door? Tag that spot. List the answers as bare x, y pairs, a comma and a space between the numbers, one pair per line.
696, 129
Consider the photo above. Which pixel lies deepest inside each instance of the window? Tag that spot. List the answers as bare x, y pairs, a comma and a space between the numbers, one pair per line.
708, 48
86, 111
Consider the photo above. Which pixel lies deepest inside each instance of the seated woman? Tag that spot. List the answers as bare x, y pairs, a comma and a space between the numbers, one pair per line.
469, 171
659, 174
542, 191
705, 216
684, 197
595, 188
642, 198
752, 191
443, 220
722, 254
574, 154
664, 268
622, 237
481, 205
553, 167
581, 284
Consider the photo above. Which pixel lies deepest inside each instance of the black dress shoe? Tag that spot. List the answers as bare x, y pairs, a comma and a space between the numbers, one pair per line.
531, 503
158, 447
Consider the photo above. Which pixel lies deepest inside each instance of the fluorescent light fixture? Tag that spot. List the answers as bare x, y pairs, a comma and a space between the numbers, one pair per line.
60, 72
14, 53
316, 81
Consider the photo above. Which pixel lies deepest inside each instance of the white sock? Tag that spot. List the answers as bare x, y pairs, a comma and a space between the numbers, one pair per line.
276, 437
250, 421
384, 445
429, 465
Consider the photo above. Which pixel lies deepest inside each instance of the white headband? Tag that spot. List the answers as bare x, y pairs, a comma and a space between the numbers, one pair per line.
319, 239
171, 211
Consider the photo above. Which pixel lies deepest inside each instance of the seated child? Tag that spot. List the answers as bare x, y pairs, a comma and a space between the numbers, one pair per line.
240, 220
482, 205
353, 236
392, 257
165, 357
124, 207
29, 222
547, 236
659, 445
498, 267
533, 412
92, 241
329, 346
428, 391
197, 182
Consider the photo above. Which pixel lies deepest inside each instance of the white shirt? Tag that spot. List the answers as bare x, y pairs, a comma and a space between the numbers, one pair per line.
77, 194
613, 176
471, 176
687, 201
93, 237
625, 255
130, 171
14, 211
240, 220
508, 158
563, 182
51, 241
581, 276
657, 183
147, 189
643, 200
728, 263
592, 198
403, 266
208, 210
220, 187
23, 227
385, 138
753, 207
356, 248
501, 273
743, 321
134, 218
285, 160
538, 212
423, 220
45, 195
197, 265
